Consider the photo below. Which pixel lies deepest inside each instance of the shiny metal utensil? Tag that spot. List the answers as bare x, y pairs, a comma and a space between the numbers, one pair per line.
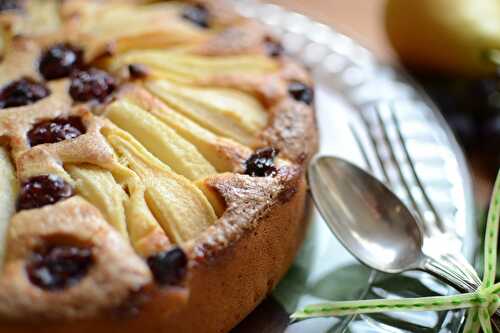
374, 224
391, 151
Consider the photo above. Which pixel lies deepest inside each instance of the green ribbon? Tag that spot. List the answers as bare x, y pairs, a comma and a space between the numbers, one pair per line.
481, 304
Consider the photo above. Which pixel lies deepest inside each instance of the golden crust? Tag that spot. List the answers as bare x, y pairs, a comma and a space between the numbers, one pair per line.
246, 37
105, 286
49, 158
263, 217
292, 130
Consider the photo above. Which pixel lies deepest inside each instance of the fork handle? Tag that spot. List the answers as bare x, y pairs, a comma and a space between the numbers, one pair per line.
450, 273
457, 273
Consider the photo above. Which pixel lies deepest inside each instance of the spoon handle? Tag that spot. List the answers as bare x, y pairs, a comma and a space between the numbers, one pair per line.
455, 271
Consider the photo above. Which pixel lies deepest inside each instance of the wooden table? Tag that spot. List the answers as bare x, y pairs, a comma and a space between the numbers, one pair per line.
364, 21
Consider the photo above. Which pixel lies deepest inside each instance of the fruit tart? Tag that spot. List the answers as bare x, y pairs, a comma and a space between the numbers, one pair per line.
152, 158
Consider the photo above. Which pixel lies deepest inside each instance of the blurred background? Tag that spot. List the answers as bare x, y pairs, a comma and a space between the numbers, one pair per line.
450, 47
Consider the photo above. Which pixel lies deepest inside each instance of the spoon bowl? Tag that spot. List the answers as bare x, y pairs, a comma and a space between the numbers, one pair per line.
367, 217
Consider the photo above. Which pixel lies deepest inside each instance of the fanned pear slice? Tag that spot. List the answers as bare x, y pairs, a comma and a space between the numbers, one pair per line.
216, 200
146, 234
4, 41
8, 190
41, 17
127, 26
227, 112
241, 108
178, 205
208, 144
160, 139
189, 68
99, 187
17, 62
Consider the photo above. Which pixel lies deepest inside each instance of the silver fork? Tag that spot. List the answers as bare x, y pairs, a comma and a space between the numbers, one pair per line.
449, 259
436, 234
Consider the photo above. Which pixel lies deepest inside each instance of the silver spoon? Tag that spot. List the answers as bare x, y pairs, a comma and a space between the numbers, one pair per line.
375, 225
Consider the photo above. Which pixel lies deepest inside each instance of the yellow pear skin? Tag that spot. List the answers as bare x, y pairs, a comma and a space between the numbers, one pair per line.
448, 36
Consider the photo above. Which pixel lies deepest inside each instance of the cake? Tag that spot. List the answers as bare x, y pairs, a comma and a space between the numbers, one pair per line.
152, 161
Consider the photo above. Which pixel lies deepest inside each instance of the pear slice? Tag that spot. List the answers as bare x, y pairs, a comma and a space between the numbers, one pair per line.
216, 200
239, 107
17, 61
127, 27
181, 66
227, 112
146, 234
4, 41
99, 187
160, 139
8, 194
42, 18
208, 144
178, 205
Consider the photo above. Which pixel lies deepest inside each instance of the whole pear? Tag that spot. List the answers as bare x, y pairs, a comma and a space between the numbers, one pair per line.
447, 36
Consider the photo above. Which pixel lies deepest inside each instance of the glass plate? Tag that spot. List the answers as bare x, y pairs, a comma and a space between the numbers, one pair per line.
349, 84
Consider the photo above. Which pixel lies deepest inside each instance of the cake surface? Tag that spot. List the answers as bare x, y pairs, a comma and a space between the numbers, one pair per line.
152, 159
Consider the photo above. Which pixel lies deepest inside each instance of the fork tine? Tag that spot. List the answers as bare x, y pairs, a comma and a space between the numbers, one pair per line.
402, 141
362, 149
399, 171
373, 143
